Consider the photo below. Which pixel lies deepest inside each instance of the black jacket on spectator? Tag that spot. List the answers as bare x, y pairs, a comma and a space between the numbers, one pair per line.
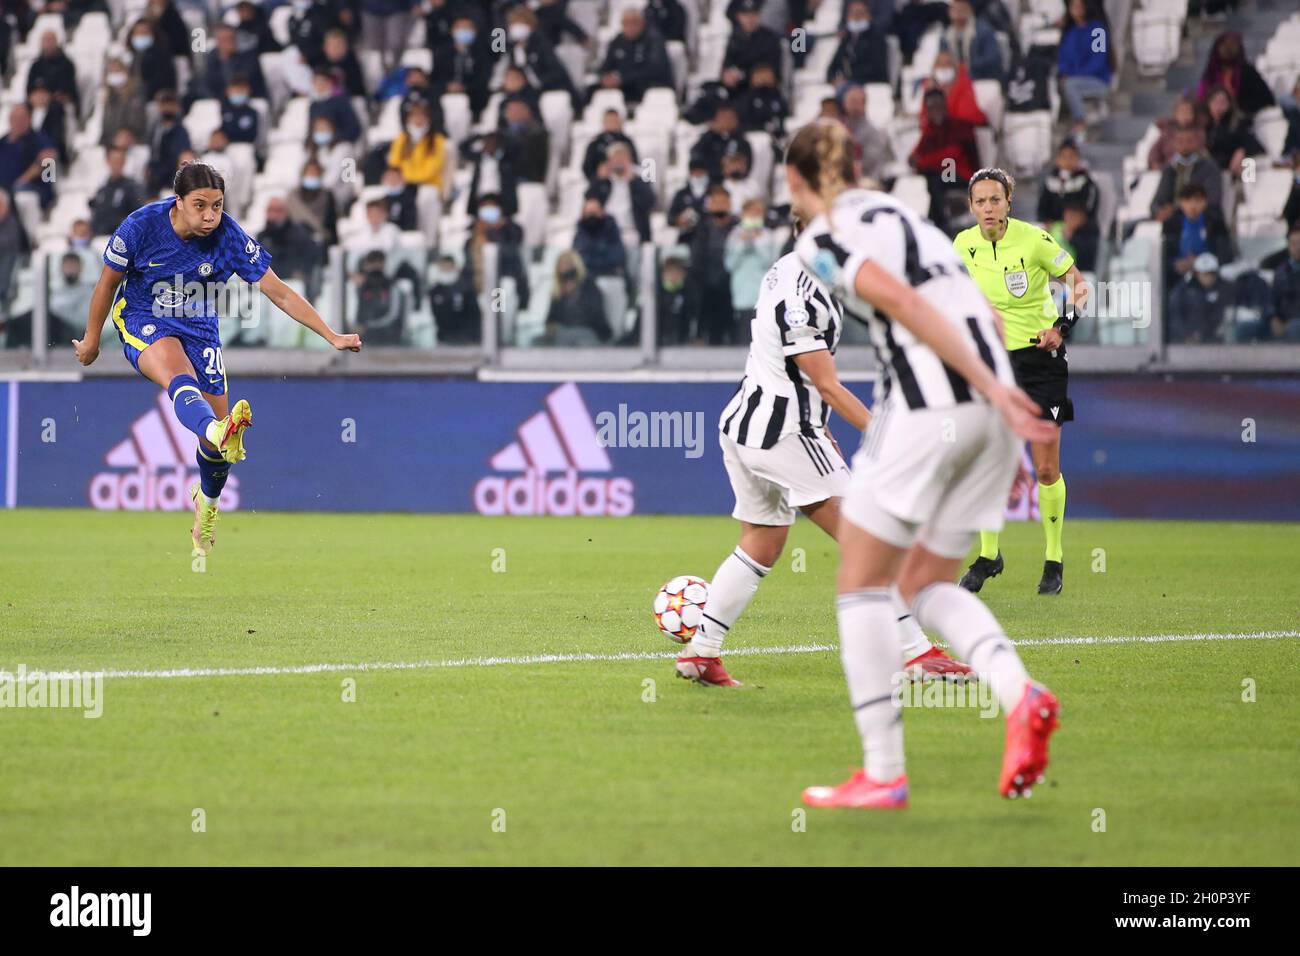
641, 63
54, 126
403, 212
762, 108
860, 58
292, 247
711, 147
471, 68
543, 67
438, 21
599, 147
58, 74
166, 148
1217, 238
554, 21
1204, 171
678, 313
509, 240
643, 201
1028, 85
601, 247
1225, 138
682, 200
116, 200
1196, 313
156, 71
171, 26
1086, 243
584, 308
354, 82
456, 311
505, 170
709, 273
668, 17
526, 95
338, 109
746, 50
239, 123
307, 32
1058, 188
1291, 211
530, 150
1285, 300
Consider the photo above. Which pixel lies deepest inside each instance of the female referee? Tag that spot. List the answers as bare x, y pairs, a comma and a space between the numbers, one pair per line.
1012, 261
162, 269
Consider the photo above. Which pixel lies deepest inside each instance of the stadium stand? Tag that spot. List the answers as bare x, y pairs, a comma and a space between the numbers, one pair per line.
290, 102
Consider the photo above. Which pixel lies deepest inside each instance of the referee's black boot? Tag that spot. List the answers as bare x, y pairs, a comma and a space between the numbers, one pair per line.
1053, 575
979, 572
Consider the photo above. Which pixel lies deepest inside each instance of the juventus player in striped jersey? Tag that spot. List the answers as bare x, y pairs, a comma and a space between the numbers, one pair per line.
933, 470
781, 458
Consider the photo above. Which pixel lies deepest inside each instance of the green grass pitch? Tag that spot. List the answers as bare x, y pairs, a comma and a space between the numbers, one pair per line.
573, 762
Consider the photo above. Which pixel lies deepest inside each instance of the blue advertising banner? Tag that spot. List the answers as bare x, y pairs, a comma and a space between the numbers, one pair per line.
1140, 447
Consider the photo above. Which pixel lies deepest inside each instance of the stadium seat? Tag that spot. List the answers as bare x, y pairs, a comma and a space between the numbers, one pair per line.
1265, 197
1027, 140
1270, 130
988, 96
456, 116
203, 117
1156, 37
913, 192
614, 292
880, 104
292, 125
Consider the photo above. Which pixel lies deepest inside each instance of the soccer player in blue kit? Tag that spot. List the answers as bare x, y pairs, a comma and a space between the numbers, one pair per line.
161, 268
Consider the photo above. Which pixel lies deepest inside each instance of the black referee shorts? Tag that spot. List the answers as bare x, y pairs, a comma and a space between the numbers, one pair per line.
1046, 378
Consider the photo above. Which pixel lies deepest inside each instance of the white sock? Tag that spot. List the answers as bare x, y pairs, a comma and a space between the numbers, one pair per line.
733, 586
869, 651
975, 636
910, 635
208, 501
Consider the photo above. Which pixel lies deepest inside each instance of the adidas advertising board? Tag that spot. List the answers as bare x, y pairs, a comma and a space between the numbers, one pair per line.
599, 448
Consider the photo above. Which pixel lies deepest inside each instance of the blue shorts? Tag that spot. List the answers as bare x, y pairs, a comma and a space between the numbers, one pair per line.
202, 344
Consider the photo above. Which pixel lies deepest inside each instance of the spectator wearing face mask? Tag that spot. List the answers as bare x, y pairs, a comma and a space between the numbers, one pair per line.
1190, 165
739, 184
1199, 304
762, 106
951, 79
750, 252
576, 316
381, 304
687, 206
598, 240
677, 306
611, 132
329, 102
625, 196
69, 299
168, 139
313, 205
455, 306
462, 65
335, 155
124, 102
151, 60
493, 226
493, 172
708, 266
420, 151
527, 141
722, 138
528, 49
117, 198
862, 56
240, 122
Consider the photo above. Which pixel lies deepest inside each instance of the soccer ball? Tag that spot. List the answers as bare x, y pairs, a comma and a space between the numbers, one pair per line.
679, 607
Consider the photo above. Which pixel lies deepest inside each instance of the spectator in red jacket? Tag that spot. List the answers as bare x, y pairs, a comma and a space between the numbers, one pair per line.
952, 78
945, 155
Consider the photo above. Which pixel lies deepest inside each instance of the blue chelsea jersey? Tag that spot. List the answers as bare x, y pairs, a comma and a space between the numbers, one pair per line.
170, 277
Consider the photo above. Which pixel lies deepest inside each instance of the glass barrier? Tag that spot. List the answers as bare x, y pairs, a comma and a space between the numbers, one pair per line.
1252, 298
17, 302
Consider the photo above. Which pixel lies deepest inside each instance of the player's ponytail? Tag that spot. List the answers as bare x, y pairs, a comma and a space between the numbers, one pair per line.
822, 154
192, 176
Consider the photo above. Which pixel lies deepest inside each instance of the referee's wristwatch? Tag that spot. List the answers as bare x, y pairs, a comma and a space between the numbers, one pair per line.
1065, 324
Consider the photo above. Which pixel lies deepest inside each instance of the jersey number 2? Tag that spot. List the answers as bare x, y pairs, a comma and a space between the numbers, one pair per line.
215, 365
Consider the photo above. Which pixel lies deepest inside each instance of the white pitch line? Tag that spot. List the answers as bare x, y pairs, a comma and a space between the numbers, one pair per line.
6, 676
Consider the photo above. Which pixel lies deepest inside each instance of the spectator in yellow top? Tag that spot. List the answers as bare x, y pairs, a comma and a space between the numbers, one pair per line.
420, 151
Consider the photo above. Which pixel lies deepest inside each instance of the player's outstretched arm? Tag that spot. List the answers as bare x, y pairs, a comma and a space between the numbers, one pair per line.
301, 311
819, 366
905, 305
100, 301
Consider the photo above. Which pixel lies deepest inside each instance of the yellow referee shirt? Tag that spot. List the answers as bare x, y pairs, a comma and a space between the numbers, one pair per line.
1014, 273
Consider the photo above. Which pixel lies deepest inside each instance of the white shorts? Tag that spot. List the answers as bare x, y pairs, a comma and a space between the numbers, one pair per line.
934, 475
772, 483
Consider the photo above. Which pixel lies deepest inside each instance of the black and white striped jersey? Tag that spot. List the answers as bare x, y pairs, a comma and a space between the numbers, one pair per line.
794, 314
868, 225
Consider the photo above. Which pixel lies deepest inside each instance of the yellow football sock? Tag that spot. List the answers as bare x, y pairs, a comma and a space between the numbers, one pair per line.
1051, 508
988, 544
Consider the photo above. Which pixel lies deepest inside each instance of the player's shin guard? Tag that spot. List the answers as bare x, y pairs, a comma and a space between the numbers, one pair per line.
975, 636
989, 545
910, 636
213, 472
1051, 507
733, 586
192, 409
869, 651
